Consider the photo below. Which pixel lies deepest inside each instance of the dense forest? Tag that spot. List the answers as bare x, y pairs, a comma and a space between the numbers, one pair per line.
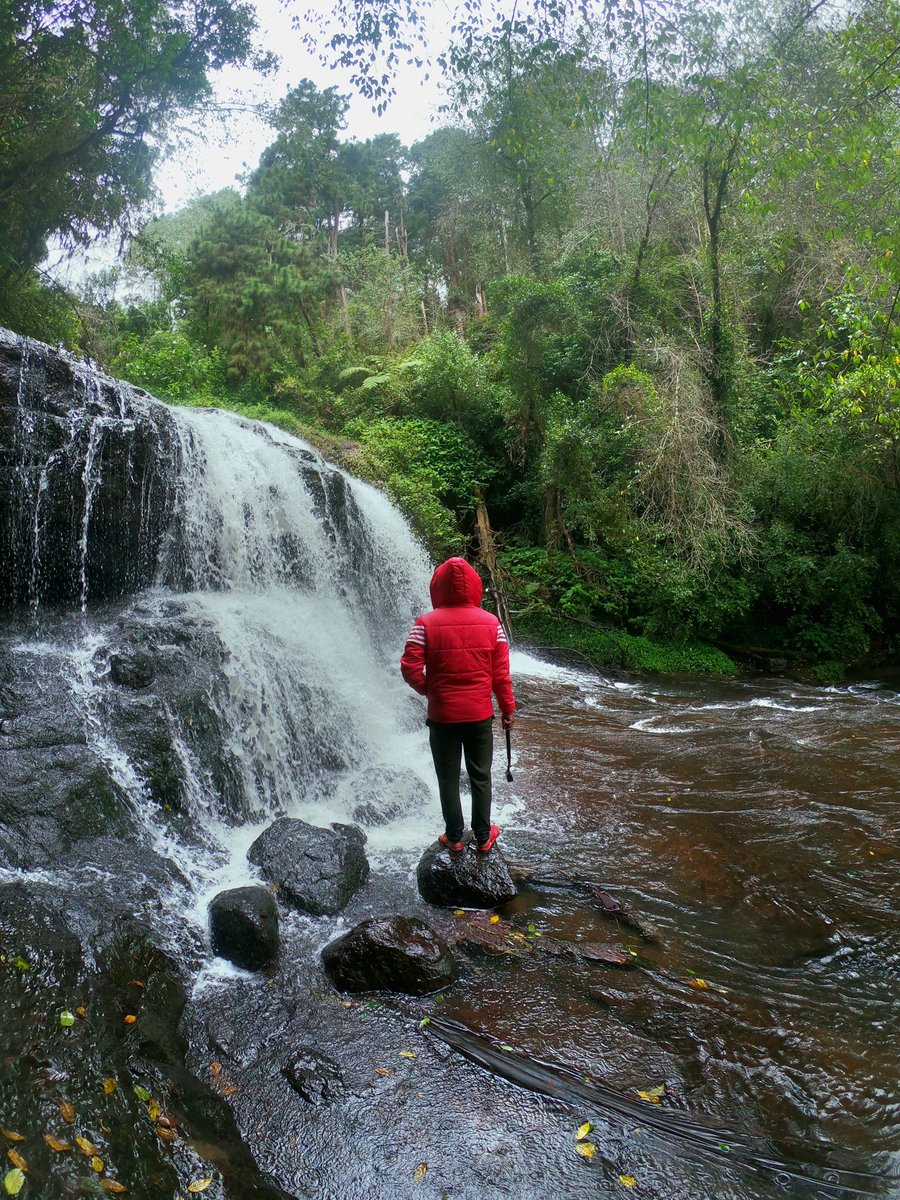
637, 299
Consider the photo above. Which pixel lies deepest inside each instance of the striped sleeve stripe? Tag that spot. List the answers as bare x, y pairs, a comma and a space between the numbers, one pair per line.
417, 634
501, 634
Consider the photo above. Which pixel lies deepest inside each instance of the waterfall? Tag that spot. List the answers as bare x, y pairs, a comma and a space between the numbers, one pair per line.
229, 606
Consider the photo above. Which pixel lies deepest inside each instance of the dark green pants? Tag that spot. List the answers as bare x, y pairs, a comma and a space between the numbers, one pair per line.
474, 739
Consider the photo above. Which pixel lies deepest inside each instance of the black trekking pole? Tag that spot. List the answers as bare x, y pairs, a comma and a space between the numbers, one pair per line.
508, 756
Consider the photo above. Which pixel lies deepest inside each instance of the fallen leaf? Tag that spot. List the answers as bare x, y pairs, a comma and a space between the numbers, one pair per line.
627, 1181
652, 1095
57, 1144
67, 1111
586, 1149
109, 1086
113, 1185
98, 1165
459, 912
130, 1019
230, 1090
383, 1071
13, 1182
142, 1094
20, 963
583, 1131
408, 1054
200, 1185
81, 1011
154, 1112
215, 1068
17, 1160
66, 1019
168, 1121
12, 1136
420, 1172
86, 1147
698, 983
168, 1135
135, 983
509, 1049
425, 1021
495, 920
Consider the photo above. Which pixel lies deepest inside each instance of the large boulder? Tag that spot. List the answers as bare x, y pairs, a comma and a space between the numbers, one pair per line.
243, 927
315, 870
466, 879
392, 954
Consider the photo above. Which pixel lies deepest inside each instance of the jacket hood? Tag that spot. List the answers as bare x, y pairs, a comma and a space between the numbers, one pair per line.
455, 582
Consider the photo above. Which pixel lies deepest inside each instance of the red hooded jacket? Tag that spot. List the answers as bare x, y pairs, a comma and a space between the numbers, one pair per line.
458, 654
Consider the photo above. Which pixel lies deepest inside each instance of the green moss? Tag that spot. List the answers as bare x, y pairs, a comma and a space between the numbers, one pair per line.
616, 650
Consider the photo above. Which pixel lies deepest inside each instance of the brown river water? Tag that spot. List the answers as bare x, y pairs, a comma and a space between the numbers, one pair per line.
754, 826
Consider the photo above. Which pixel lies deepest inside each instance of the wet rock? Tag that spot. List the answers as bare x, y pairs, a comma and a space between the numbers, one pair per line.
464, 880
315, 870
243, 926
87, 485
54, 789
395, 954
49, 968
133, 669
314, 1076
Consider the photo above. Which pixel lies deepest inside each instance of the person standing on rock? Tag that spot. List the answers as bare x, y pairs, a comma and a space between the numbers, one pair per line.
457, 655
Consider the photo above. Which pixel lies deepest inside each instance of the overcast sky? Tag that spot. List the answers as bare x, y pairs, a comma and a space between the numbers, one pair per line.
214, 153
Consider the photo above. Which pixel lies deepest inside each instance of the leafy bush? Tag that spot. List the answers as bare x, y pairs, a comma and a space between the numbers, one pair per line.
172, 367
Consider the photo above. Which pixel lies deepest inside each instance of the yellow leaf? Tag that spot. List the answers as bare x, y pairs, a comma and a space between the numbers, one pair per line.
652, 1095
113, 1185
583, 1131
383, 1071
12, 1136
698, 983
215, 1068
200, 1185
98, 1165
459, 912
109, 1086
586, 1149
627, 1180
495, 920
130, 1019
86, 1147
13, 1182
67, 1111
56, 1143
153, 1110
408, 1054
420, 1172
17, 1160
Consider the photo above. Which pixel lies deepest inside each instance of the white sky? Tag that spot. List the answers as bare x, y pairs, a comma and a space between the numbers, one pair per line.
213, 153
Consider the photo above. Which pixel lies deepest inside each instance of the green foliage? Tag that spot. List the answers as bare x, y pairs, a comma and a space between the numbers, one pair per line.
431, 469
90, 88
172, 367
614, 650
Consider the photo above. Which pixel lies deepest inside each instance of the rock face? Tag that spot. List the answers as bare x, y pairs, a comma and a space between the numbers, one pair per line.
86, 485
464, 880
392, 954
315, 870
243, 925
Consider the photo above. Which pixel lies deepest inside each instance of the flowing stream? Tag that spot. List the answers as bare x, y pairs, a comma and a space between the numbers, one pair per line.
751, 825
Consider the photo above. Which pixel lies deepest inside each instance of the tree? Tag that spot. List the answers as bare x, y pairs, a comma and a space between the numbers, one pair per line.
90, 88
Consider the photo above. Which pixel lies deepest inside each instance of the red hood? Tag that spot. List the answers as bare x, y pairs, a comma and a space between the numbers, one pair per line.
455, 582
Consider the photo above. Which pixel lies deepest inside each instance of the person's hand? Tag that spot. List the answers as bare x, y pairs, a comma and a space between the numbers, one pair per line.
507, 722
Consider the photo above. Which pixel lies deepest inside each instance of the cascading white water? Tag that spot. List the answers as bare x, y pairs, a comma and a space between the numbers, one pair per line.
308, 579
